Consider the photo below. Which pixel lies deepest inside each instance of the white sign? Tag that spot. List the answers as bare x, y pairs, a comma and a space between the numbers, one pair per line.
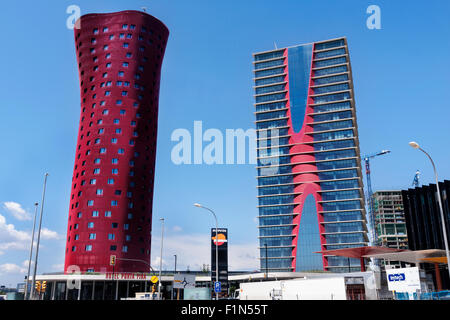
183, 281
403, 279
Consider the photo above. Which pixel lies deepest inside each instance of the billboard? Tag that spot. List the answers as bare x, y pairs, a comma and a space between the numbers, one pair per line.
222, 246
183, 281
403, 279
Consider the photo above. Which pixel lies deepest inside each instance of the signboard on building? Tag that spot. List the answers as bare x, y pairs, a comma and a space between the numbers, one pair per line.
222, 246
183, 281
403, 279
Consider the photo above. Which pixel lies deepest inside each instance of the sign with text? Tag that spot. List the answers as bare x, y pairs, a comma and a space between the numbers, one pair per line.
183, 281
403, 279
222, 246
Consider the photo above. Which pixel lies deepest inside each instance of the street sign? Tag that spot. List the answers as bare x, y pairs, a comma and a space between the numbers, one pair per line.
217, 286
154, 279
183, 281
403, 279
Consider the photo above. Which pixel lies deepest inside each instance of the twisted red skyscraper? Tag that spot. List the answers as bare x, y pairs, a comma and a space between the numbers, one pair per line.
119, 59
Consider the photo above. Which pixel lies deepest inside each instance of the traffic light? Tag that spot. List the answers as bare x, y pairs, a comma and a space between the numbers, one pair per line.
112, 260
154, 288
38, 286
44, 286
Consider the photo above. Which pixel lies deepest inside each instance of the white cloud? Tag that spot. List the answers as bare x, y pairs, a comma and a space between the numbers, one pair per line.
49, 234
13, 239
194, 250
17, 211
11, 268
177, 228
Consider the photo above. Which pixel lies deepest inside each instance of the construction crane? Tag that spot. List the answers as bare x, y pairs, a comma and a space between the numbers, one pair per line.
415, 182
372, 231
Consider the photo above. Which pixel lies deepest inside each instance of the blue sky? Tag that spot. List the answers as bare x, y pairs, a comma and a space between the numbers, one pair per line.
401, 89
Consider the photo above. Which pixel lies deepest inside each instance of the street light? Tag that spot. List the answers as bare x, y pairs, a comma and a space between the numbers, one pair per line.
38, 238
27, 284
217, 243
415, 145
160, 259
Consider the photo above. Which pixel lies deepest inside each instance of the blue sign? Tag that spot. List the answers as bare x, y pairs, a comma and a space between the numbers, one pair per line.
397, 277
217, 286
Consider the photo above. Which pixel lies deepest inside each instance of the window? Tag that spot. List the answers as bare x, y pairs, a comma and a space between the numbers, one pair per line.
125, 45
75, 226
90, 203
115, 171
95, 213
90, 225
100, 131
121, 73
77, 236
114, 161
105, 47
125, 64
121, 151
108, 214
114, 225
124, 93
113, 140
99, 192
111, 236
114, 203
133, 123
79, 214
130, 216
125, 249
119, 102
108, 65
126, 226
96, 171
105, 29
110, 181
122, 112
95, 31
92, 181
74, 249
92, 236
129, 54
116, 121
129, 194
124, 26
107, 93
117, 192
111, 37
113, 248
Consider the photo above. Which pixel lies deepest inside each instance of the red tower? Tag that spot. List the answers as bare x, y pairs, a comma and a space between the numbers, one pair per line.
119, 59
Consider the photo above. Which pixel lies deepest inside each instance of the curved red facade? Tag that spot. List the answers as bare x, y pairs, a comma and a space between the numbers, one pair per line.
119, 59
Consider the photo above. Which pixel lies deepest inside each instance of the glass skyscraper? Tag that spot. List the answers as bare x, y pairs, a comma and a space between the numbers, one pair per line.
310, 190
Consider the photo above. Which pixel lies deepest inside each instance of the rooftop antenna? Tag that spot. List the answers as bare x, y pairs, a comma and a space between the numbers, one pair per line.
275, 44
144, 9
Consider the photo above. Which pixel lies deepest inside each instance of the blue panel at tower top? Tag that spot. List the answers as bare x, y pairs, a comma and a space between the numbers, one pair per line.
299, 66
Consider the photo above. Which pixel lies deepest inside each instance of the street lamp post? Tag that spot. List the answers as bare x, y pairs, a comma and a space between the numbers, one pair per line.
160, 259
217, 243
415, 145
27, 284
38, 237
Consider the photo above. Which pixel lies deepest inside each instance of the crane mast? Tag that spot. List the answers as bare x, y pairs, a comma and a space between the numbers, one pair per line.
371, 215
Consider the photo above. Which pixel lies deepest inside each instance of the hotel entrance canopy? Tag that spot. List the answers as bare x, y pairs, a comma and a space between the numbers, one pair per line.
360, 253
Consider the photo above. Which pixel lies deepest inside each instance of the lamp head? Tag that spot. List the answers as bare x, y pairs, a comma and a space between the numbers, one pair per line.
414, 144
198, 205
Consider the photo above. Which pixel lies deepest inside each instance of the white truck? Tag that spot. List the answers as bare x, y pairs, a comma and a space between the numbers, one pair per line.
314, 288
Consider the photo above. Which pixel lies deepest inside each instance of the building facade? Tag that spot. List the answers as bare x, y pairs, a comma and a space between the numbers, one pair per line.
424, 223
422, 216
390, 219
119, 58
310, 190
